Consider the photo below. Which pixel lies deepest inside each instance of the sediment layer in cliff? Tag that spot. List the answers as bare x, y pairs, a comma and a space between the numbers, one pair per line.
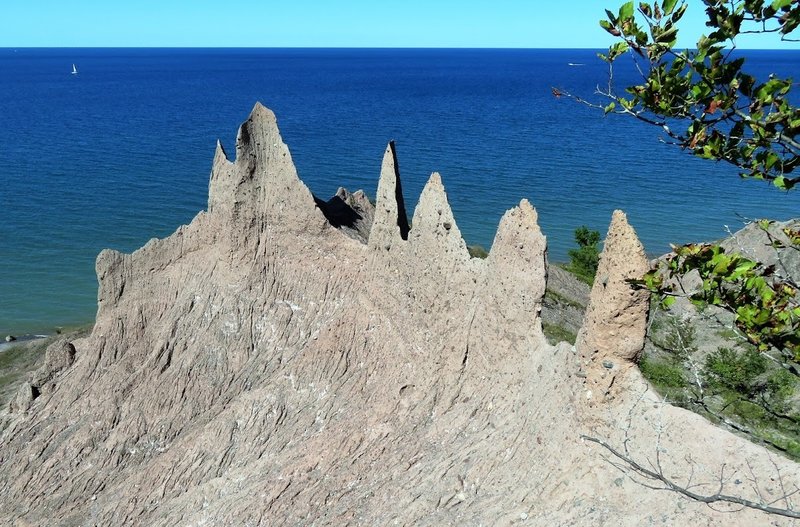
284, 360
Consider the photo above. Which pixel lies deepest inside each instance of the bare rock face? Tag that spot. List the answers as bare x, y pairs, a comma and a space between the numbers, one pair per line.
23, 399
770, 247
613, 332
391, 223
59, 356
263, 366
352, 213
565, 302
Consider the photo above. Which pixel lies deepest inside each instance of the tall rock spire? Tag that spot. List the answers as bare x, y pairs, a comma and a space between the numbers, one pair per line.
435, 231
262, 185
391, 223
517, 270
612, 336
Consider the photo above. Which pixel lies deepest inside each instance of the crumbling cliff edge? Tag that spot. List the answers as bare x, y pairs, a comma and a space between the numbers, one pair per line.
264, 366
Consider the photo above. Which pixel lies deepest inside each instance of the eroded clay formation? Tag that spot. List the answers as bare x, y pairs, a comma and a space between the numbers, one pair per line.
265, 366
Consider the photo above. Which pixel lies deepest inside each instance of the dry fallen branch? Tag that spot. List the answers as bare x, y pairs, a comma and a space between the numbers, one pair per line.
670, 485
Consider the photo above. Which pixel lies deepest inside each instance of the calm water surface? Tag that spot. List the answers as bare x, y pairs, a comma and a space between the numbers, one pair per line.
122, 151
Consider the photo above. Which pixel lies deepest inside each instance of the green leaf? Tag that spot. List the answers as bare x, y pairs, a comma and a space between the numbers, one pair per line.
626, 11
679, 13
668, 6
779, 4
667, 37
617, 49
610, 108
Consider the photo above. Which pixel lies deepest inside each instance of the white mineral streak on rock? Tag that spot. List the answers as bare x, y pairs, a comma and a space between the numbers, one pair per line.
258, 367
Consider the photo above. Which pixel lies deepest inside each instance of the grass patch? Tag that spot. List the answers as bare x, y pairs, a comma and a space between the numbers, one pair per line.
557, 298
728, 334
738, 386
555, 334
662, 374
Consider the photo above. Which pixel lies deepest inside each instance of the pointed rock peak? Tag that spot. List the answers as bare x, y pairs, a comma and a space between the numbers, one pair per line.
518, 223
391, 221
619, 225
343, 194
517, 270
435, 232
528, 214
612, 336
219, 182
262, 118
433, 190
258, 133
263, 181
433, 208
435, 181
219, 154
390, 179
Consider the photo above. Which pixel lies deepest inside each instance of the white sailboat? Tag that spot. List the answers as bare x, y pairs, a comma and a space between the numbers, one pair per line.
74, 70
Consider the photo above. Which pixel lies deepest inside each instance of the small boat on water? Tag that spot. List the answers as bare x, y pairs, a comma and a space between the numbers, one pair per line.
575, 64
74, 70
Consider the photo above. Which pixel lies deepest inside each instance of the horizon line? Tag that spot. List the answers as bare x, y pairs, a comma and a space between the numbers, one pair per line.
363, 48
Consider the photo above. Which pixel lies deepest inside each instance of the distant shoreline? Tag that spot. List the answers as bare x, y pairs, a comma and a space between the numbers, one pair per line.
27, 337
19, 340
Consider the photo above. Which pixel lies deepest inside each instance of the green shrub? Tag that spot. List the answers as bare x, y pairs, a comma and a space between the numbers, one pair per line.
662, 374
477, 251
738, 372
583, 260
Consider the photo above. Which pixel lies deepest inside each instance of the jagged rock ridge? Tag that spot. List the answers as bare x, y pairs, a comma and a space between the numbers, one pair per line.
261, 366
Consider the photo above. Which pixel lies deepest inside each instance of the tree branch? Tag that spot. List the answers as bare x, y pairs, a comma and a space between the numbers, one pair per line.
668, 484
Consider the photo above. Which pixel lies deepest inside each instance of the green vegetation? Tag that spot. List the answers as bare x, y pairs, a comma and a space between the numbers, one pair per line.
740, 388
664, 375
703, 99
735, 372
583, 260
707, 104
557, 298
555, 334
765, 306
747, 390
679, 341
477, 251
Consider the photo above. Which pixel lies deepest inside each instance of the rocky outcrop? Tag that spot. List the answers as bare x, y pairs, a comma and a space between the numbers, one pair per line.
770, 245
613, 332
712, 327
352, 213
23, 399
262, 366
565, 301
391, 223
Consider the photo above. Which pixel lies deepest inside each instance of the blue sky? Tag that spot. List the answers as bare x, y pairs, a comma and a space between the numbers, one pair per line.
318, 23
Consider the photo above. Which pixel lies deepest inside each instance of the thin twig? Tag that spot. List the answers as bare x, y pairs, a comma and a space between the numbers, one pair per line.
707, 499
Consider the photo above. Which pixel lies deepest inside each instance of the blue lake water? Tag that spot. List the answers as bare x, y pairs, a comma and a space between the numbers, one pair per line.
122, 151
